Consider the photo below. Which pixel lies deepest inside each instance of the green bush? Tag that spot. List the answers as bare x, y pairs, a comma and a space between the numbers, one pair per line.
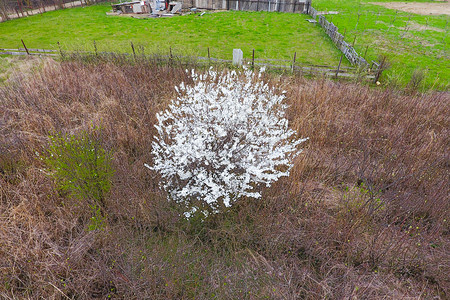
81, 167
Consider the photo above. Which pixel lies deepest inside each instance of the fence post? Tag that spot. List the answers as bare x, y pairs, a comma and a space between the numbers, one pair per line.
293, 61
95, 48
357, 21
60, 50
134, 52
339, 66
26, 49
20, 7
380, 69
209, 56
238, 56
253, 60
365, 52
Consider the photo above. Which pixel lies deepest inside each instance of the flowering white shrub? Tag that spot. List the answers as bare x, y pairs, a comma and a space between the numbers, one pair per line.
221, 138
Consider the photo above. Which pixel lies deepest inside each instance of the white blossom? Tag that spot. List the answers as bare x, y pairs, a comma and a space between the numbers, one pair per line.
221, 139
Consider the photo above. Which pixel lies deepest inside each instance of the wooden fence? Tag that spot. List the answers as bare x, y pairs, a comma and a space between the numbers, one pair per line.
293, 6
12, 9
267, 5
338, 39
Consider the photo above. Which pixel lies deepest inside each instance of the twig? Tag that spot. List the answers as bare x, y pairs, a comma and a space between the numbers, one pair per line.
67, 297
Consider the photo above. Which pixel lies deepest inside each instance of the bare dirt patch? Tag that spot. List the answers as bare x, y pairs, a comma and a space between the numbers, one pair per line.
421, 8
418, 27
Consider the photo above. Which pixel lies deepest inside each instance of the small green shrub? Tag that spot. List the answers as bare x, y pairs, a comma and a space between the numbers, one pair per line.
81, 167
361, 196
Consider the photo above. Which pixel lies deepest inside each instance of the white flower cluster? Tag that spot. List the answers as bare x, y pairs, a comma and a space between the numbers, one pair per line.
221, 138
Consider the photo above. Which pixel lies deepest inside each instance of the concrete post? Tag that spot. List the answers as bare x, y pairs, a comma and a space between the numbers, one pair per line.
238, 57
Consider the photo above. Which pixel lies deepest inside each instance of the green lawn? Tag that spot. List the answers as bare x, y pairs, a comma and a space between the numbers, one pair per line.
411, 41
272, 35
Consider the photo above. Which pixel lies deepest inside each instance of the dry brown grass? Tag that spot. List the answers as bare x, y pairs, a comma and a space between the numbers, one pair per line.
364, 213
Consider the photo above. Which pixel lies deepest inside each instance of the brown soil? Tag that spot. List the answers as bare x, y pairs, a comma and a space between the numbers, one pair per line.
417, 27
441, 8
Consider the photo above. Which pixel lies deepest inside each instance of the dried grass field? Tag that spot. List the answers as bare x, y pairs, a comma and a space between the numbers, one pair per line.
363, 215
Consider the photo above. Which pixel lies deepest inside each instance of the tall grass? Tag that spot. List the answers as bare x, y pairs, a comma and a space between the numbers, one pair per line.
363, 214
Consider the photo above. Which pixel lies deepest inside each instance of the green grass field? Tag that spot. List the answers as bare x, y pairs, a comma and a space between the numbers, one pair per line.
272, 35
410, 41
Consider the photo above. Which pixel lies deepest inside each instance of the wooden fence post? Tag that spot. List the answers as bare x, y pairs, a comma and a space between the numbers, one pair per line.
365, 52
209, 56
134, 52
354, 40
26, 49
20, 7
95, 48
60, 50
253, 60
339, 66
380, 69
293, 61
357, 21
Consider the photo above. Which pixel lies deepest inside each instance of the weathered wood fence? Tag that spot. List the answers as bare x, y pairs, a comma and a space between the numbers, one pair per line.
12, 9
293, 6
338, 39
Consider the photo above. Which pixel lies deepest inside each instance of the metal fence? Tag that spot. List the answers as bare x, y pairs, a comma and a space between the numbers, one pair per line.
284, 65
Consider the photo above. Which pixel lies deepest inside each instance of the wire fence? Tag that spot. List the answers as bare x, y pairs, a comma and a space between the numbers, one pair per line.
138, 55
